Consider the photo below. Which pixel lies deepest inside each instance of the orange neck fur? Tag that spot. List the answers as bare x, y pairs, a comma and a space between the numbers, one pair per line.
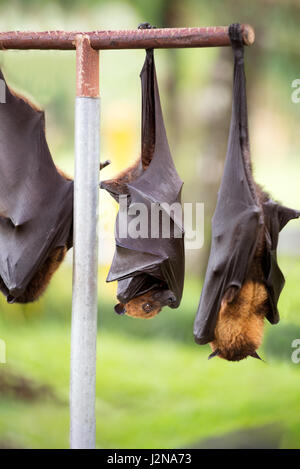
240, 324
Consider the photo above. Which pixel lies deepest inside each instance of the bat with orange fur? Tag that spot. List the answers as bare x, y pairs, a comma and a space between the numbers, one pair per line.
148, 304
243, 280
149, 269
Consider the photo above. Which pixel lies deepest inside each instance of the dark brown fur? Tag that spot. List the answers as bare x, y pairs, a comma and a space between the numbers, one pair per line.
41, 279
118, 185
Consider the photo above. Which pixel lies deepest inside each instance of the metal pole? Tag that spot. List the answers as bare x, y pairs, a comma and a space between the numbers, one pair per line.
212, 36
85, 267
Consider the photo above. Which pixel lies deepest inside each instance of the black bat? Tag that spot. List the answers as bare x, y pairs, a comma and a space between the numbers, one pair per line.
243, 280
36, 202
149, 270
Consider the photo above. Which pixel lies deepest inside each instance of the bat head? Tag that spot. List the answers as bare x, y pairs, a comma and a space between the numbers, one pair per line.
239, 329
148, 305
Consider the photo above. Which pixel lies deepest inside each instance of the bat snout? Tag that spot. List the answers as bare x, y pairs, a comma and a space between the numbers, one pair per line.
13, 295
10, 299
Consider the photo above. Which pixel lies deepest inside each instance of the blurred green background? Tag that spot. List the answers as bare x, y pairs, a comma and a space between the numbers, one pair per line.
155, 387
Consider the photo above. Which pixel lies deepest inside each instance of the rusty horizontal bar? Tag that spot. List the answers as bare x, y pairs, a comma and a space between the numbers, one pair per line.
214, 36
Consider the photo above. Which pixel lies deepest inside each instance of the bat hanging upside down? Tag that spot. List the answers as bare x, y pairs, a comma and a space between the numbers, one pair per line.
240, 324
149, 269
36, 204
243, 281
41, 279
148, 304
238, 332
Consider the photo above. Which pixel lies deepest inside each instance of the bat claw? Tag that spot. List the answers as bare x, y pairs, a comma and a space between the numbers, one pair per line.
104, 164
146, 26
255, 355
214, 354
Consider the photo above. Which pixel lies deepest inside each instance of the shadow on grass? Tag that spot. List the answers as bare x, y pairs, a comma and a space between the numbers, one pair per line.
265, 437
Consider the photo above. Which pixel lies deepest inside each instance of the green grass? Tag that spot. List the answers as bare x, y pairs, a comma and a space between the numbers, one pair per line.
150, 393
155, 387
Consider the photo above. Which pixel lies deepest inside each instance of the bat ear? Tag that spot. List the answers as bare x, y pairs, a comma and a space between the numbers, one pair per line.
215, 353
255, 355
120, 308
230, 294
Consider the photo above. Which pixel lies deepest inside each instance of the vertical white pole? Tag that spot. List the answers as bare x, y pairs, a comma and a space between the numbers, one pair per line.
85, 264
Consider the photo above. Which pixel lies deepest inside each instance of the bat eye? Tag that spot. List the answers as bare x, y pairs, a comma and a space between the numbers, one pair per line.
147, 307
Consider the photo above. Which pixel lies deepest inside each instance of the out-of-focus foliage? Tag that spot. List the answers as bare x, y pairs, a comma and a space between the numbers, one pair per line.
155, 387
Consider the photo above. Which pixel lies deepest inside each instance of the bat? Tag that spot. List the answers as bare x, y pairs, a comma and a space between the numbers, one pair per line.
149, 271
243, 280
36, 202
